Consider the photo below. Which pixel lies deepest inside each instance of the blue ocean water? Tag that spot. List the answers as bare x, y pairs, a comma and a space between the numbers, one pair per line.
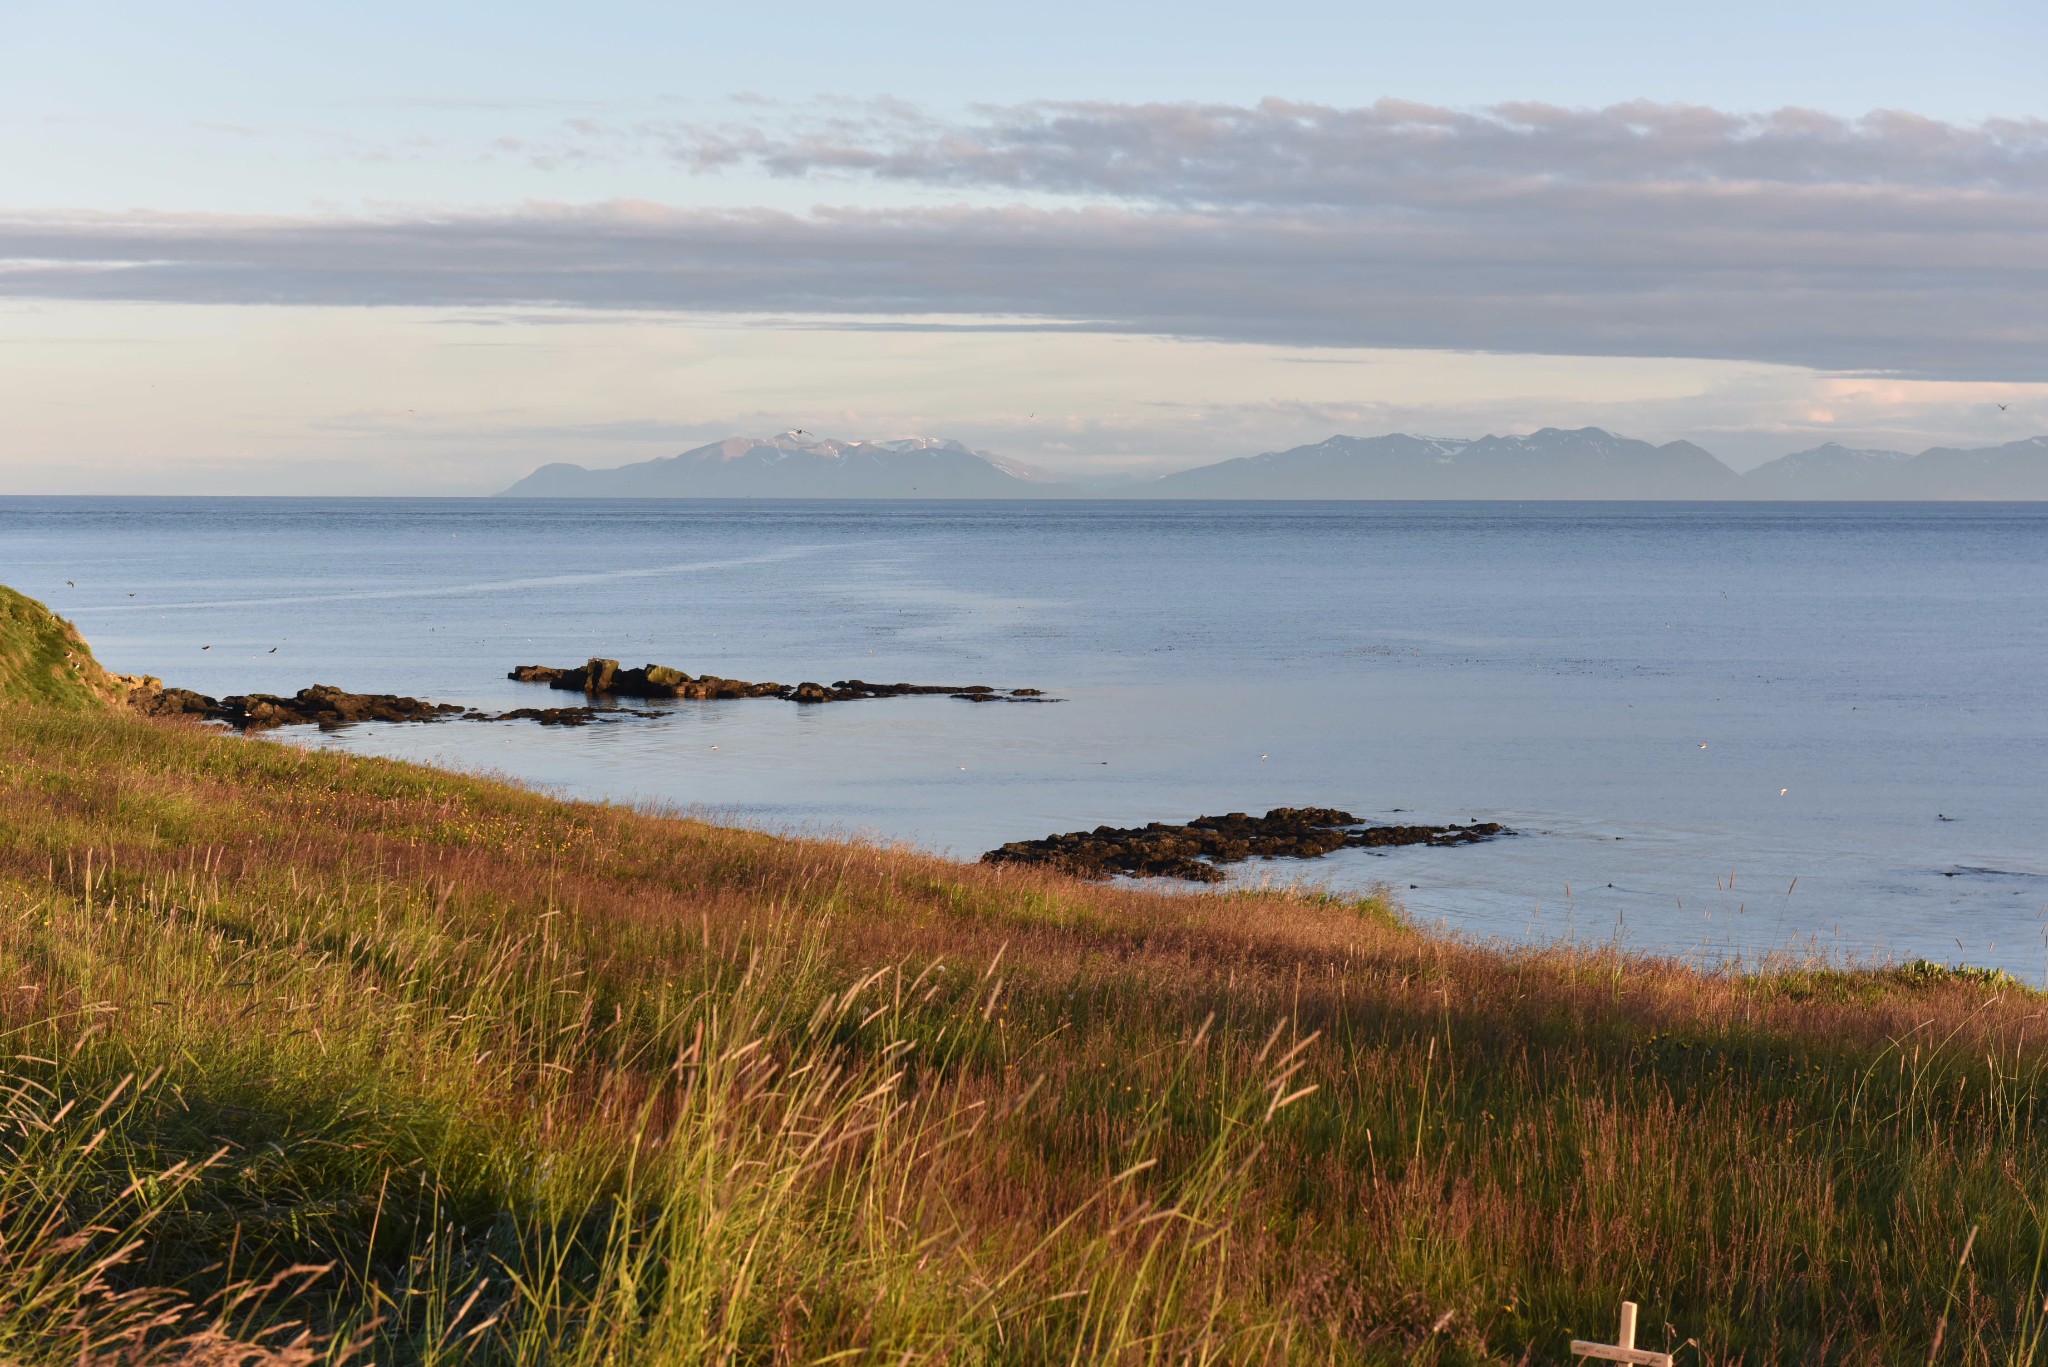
1728, 729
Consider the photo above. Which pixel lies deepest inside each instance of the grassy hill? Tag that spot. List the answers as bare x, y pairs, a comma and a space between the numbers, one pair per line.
44, 661
340, 1056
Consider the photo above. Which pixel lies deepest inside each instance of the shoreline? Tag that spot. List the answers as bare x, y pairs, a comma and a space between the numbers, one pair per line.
657, 913
466, 870
516, 1070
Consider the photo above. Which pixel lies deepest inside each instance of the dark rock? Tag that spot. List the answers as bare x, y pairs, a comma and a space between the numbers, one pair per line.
320, 705
1195, 851
327, 706
546, 716
605, 678
173, 702
562, 716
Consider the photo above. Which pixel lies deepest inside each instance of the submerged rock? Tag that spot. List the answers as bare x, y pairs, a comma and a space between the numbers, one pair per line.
604, 678
1195, 851
561, 716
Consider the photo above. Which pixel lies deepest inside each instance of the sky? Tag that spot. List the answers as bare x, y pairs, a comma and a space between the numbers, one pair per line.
420, 249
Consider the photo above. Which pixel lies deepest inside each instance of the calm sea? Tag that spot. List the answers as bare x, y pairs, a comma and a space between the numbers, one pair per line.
1682, 708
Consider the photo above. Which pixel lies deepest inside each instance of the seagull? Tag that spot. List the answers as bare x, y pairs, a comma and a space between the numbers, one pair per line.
1783, 791
70, 584
131, 595
206, 647
273, 650
714, 747
1261, 756
1939, 817
1703, 745
2002, 407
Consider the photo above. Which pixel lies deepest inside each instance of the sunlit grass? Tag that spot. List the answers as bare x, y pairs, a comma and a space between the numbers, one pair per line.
345, 1057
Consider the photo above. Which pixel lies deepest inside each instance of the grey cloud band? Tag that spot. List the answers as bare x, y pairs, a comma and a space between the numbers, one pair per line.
1890, 243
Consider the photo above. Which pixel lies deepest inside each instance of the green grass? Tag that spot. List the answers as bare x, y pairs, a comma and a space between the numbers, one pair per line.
43, 661
353, 1060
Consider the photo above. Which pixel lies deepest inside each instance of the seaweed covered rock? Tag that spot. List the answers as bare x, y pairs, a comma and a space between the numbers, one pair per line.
1197, 850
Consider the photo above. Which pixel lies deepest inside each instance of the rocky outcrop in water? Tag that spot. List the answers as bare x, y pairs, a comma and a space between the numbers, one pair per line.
326, 706
604, 678
1196, 850
561, 716
321, 705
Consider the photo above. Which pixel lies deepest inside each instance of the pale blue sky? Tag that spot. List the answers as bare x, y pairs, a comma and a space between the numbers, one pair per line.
220, 225
249, 107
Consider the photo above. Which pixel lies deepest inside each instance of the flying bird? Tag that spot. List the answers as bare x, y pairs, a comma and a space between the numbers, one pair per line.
70, 584
273, 650
1939, 817
1783, 791
206, 647
2003, 407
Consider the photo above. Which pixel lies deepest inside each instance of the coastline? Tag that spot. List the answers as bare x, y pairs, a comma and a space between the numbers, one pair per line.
379, 1005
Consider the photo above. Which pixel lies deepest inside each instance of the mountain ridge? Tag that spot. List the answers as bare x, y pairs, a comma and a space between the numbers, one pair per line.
2016, 470
1587, 463
788, 466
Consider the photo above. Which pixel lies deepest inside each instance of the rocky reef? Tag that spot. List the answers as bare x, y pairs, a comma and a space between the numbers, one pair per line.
1195, 851
604, 678
326, 706
320, 705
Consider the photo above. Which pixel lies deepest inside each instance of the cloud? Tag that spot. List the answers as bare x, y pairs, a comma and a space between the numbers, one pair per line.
1889, 243
631, 431
1281, 153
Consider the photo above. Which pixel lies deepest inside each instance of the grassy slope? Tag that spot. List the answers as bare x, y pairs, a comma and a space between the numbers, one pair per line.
536, 1081
44, 661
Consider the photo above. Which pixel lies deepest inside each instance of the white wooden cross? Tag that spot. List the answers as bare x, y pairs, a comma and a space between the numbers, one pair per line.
1623, 1349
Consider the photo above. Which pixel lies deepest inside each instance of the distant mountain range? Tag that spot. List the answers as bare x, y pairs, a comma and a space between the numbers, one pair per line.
2016, 470
1554, 463
796, 465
